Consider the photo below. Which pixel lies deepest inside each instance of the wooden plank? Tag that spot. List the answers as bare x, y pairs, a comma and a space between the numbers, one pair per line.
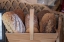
42, 36
44, 40
23, 40
37, 36
31, 23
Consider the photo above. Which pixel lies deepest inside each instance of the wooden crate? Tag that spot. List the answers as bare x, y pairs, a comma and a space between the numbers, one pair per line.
10, 5
36, 37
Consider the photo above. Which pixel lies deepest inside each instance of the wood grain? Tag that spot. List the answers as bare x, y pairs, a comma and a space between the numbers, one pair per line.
44, 40
31, 23
37, 36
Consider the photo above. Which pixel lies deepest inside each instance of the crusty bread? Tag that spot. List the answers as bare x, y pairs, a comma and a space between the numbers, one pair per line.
12, 22
48, 23
27, 19
6, 18
20, 13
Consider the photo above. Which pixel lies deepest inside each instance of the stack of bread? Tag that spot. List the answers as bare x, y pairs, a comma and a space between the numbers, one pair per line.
17, 21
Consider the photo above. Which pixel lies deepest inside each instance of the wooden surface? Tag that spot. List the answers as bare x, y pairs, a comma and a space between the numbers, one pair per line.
31, 23
48, 40
38, 37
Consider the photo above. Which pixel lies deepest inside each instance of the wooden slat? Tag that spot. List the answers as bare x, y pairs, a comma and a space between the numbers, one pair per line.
42, 36
31, 23
44, 40
37, 36
48, 40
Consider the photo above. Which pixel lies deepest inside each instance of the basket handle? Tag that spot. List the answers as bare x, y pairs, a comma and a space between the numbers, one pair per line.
31, 24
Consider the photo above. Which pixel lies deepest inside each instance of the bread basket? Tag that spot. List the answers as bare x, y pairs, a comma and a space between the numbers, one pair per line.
31, 37
36, 37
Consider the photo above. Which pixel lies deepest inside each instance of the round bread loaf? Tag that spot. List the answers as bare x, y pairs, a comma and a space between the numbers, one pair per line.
27, 19
41, 14
13, 23
20, 13
48, 23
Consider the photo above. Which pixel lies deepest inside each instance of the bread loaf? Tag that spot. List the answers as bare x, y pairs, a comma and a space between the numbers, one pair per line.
12, 22
20, 13
48, 23
41, 14
27, 19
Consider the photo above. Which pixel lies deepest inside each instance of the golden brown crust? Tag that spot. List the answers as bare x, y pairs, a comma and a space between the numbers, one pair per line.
48, 23
12, 22
6, 18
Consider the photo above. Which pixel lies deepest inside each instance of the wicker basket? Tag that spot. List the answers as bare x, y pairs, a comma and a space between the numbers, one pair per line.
10, 5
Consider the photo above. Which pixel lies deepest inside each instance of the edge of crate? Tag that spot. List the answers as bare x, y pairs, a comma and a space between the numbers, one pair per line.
37, 36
